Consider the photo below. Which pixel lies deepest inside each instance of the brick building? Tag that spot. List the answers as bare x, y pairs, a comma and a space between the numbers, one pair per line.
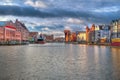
49, 38
20, 27
10, 32
33, 36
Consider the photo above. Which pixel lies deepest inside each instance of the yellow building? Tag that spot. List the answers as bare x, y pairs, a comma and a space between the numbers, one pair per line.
81, 36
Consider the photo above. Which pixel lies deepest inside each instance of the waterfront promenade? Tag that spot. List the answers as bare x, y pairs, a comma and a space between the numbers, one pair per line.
59, 61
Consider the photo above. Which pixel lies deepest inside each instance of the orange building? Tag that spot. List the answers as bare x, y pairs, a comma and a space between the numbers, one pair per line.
73, 37
70, 36
67, 35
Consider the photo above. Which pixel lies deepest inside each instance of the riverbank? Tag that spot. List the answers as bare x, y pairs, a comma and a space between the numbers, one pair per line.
75, 43
99, 44
12, 44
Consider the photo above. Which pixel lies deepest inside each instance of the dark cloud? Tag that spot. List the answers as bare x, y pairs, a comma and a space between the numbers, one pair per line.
56, 13
53, 13
23, 11
32, 12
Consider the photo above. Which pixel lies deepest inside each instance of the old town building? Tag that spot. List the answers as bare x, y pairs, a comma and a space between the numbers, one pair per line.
73, 37
81, 36
67, 35
33, 36
59, 39
115, 28
102, 33
115, 32
20, 27
9, 32
49, 38
90, 34
70, 36
2, 23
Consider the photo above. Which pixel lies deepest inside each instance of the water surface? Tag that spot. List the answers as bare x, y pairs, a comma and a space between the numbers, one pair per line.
59, 61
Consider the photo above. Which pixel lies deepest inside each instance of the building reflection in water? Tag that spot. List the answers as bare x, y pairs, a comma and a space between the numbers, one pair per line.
116, 62
59, 62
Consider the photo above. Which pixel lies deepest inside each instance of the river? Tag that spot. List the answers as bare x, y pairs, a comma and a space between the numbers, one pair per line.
59, 61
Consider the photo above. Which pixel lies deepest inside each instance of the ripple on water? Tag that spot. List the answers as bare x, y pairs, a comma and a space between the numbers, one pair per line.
59, 62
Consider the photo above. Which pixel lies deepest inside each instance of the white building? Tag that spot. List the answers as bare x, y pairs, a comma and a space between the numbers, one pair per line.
102, 32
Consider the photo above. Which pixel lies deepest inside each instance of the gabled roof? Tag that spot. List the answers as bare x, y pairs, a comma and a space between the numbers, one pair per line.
22, 24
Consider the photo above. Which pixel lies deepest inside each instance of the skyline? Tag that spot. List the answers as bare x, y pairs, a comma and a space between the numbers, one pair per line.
53, 16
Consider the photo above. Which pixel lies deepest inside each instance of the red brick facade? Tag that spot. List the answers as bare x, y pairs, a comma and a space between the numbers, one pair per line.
9, 31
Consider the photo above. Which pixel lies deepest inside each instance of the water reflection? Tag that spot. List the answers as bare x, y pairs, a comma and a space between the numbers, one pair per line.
59, 62
116, 62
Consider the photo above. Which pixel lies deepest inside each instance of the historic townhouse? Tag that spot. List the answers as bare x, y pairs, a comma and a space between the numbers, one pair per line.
115, 32
2, 23
81, 36
7, 31
90, 34
102, 33
24, 31
13, 32
67, 35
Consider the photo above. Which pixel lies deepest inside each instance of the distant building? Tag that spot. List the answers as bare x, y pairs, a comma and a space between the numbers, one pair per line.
81, 36
115, 32
49, 38
67, 35
102, 33
33, 36
115, 29
90, 34
59, 39
70, 36
73, 37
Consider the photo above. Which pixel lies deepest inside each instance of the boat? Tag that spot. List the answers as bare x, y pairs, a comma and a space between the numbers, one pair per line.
41, 39
115, 42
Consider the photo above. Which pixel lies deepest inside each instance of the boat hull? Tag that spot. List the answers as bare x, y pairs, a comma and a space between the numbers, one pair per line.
40, 42
115, 42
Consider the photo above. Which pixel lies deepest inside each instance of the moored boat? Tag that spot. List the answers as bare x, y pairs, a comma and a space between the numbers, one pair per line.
115, 42
40, 39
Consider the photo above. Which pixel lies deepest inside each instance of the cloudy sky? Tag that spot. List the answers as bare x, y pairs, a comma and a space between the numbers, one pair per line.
53, 16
